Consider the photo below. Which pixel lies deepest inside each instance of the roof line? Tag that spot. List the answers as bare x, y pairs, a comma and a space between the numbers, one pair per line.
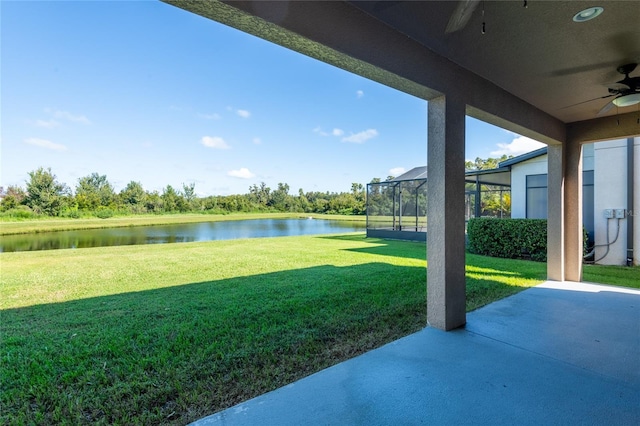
524, 157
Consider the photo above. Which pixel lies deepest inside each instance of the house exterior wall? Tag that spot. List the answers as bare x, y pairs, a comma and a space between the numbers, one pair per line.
536, 166
588, 157
519, 173
609, 162
610, 191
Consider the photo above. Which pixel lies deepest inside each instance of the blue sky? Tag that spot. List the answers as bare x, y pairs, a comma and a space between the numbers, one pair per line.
147, 92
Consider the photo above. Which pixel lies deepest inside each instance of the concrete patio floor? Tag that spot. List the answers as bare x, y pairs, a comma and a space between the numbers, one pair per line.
558, 353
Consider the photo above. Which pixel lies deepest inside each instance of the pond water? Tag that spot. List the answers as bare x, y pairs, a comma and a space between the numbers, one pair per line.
178, 233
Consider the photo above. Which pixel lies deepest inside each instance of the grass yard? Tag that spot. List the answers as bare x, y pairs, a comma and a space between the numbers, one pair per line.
166, 334
614, 275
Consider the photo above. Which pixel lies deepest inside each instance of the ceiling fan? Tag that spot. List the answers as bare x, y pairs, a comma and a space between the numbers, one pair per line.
461, 15
626, 91
457, 21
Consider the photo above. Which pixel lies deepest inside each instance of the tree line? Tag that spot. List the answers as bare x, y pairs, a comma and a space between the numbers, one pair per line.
94, 195
495, 201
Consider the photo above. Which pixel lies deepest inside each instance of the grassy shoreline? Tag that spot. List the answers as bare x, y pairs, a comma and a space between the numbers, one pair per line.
49, 225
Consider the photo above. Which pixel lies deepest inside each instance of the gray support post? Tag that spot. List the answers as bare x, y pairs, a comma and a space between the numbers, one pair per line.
400, 208
478, 199
555, 213
394, 207
630, 201
573, 236
446, 288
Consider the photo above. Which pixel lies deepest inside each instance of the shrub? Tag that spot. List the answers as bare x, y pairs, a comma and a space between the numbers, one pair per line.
104, 212
71, 212
508, 238
20, 212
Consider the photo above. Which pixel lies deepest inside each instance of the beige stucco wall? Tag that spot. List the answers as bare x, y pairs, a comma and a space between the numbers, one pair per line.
610, 192
519, 173
536, 166
609, 160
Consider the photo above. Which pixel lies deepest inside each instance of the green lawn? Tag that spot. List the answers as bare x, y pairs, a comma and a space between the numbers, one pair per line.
166, 334
614, 275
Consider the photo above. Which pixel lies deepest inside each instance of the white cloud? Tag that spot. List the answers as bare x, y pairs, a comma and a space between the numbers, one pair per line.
243, 113
47, 124
359, 94
361, 137
43, 143
396, 171
337, 132
66, 115
214, 142
213, 116
319, 131
257, 141
518, 146
242, 173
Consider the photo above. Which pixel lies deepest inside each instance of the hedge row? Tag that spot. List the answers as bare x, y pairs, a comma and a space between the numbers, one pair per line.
508, 238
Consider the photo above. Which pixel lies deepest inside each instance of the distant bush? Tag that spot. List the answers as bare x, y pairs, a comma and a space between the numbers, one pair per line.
508, 238
104, 213
20, 212
71, 212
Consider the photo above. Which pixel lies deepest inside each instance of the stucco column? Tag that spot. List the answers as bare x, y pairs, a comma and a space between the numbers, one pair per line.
573, 236
555, 213
446, 288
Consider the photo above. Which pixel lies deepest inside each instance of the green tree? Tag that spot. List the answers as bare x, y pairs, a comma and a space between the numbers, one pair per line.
153, 202
485, 164
12, 197
189, 195
172, 201
133, 196
189, 191
94, 191
358, 193
320, 205
375, 189
260, 195
280, 198
343, 203
44, 193
303, 202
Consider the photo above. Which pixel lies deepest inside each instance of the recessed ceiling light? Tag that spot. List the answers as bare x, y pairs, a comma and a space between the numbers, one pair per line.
588, 14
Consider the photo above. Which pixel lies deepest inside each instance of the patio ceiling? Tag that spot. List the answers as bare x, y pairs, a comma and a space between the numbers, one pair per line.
526, 73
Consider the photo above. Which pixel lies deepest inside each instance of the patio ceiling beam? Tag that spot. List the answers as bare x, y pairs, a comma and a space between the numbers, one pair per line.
605, 128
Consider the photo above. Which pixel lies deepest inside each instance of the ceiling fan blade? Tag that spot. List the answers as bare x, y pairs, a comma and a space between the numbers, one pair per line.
590, 100
461, 15
605, 109
617, 87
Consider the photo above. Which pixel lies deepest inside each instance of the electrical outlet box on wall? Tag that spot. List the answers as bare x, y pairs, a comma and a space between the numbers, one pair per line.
608, 213
620, 213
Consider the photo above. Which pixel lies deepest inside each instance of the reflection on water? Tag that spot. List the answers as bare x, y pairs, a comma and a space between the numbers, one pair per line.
179, 233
